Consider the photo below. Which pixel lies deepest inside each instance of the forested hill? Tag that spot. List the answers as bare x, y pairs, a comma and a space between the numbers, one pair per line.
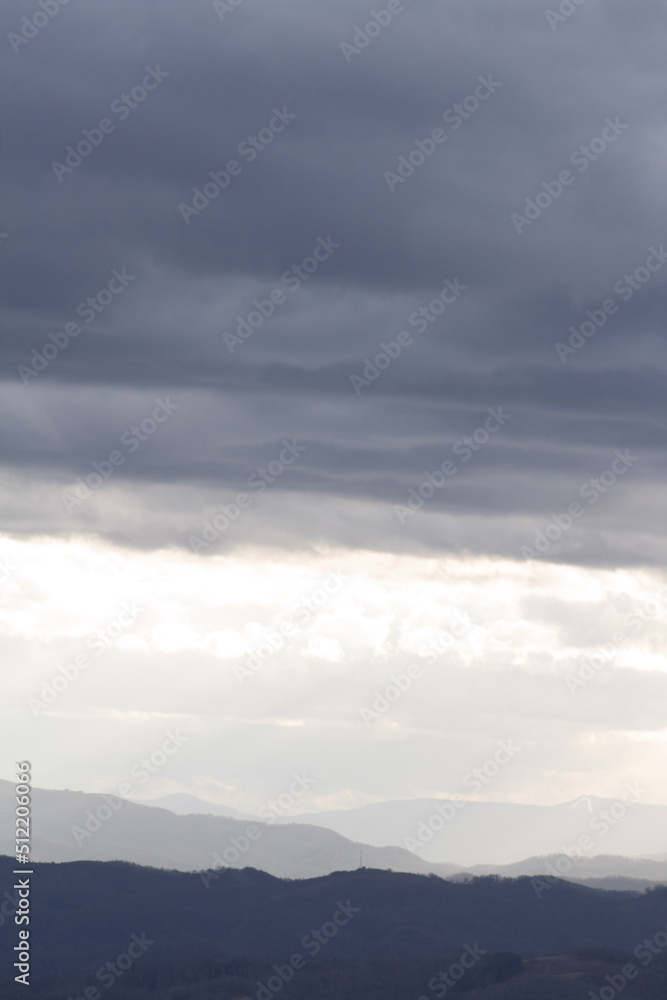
203, 927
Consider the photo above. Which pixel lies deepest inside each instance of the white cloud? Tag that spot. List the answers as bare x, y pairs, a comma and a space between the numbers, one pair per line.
525, 627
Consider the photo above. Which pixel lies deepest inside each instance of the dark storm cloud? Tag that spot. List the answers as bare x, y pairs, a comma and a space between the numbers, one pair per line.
597, 82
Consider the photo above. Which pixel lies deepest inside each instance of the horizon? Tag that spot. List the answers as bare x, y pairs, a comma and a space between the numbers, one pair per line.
190, 794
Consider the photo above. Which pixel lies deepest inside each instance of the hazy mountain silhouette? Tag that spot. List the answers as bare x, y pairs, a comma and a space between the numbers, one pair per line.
70, 826
519, 831
601, 866
184, 804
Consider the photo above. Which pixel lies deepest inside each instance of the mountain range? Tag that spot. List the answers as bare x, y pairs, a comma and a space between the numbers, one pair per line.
359, 934
615, 826
72, 826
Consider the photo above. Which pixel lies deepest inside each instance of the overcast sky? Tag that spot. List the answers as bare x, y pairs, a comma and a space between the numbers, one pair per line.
409, 345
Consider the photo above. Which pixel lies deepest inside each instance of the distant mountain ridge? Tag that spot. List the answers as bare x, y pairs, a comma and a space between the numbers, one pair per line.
73, 826
630, 828
184, 804
599, 866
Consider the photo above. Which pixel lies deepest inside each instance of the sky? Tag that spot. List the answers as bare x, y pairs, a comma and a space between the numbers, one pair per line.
333, 397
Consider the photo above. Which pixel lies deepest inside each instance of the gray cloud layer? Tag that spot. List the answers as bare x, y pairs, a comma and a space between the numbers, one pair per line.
323, 176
